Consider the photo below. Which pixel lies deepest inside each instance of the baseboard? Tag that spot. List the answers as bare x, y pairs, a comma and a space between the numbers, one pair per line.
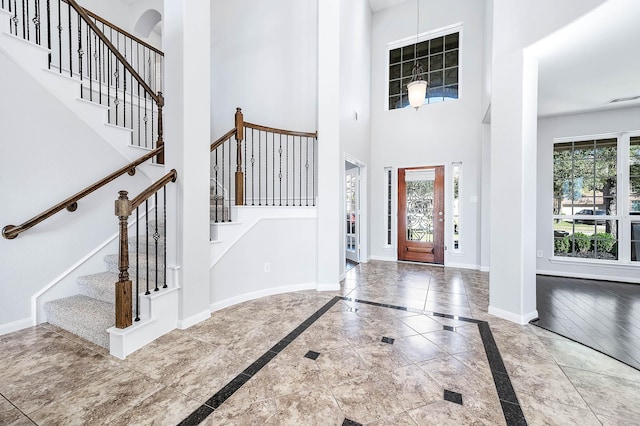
225, 303
588, 276
183, 324
10, 327
384, 258
484, 269
462, 266
513, 317
328, 286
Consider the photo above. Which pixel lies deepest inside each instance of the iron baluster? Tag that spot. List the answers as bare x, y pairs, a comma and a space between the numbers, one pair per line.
146, 237
273, 169
300, 177
164, 234
253, 160
24, 29
223, 194
70, 43
156, 237
228, 197
215, 197
48, 30
59, 37
137, 264
280, 170
306, 165
286, 181
259, 166
313, 201
245, 162
80, 51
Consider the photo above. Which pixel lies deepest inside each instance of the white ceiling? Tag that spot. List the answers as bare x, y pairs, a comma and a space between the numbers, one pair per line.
592, 61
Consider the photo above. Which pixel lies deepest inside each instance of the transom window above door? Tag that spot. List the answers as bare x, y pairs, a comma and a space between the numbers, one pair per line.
438, 54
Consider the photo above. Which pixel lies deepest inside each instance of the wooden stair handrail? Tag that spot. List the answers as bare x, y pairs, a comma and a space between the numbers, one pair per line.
153, 188
120, 30
238, 132
83, 13
12, 231
222, 139
280, 131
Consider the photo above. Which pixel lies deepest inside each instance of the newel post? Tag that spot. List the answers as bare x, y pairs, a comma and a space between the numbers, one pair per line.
124, 300
239, 173
160, 157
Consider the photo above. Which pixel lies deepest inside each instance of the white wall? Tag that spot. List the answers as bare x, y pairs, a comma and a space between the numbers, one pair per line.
126, 14
240, 274
613, 121
355, 98
263, 60
47, 154
437, 134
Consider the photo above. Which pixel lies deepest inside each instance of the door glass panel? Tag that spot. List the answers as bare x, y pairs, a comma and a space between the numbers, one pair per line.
420, 197
351, 211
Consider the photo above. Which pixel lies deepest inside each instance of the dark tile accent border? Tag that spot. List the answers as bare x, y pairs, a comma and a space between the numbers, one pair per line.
448, 328
452, 396
510, 406
232, 387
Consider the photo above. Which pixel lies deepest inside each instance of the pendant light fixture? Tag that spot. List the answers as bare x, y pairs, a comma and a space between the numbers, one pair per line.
417, 87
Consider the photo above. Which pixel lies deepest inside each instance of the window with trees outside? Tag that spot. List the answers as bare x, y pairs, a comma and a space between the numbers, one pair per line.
596, 199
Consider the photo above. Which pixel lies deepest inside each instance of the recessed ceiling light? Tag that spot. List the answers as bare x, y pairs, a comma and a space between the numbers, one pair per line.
627, 99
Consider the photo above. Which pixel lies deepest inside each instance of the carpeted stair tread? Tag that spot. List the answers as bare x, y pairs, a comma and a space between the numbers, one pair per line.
83, 316
112, 261
102, 286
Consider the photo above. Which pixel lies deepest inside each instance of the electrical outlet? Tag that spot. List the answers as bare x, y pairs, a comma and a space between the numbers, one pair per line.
267, 267
540, 253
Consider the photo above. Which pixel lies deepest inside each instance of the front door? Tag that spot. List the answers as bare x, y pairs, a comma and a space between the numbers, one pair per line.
421, 214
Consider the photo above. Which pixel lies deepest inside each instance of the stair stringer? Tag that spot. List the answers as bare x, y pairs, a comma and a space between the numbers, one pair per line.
33, 58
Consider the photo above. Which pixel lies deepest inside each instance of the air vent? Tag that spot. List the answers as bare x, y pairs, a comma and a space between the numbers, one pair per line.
627, 99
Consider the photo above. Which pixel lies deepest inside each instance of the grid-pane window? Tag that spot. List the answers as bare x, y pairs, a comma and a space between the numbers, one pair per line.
585, 194
439, 58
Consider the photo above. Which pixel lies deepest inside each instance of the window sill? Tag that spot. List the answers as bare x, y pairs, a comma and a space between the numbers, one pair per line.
595, 262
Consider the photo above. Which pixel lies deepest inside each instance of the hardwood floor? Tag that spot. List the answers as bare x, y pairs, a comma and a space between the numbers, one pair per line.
602, 315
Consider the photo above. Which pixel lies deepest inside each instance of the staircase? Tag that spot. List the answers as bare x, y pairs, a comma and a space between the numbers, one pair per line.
92, 311
111, 111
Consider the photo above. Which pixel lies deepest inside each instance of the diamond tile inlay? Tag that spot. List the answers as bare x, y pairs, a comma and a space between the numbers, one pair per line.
451, 396
312, 355
388, 340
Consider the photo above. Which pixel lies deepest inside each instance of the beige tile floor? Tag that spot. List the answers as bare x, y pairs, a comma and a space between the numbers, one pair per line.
50, 377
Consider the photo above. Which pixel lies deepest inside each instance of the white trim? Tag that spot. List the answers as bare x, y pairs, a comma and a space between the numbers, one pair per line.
484, 268
462, 265
328, 286
588, 276
426, 35
384, 258
245, 297
599, 263
183, 324
10, 327
513, 317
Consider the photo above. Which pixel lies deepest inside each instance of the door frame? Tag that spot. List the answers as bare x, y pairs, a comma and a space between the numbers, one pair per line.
361, 218
439, 219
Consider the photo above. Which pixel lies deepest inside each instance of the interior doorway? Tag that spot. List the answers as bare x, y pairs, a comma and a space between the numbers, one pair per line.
421, 214
352, 212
